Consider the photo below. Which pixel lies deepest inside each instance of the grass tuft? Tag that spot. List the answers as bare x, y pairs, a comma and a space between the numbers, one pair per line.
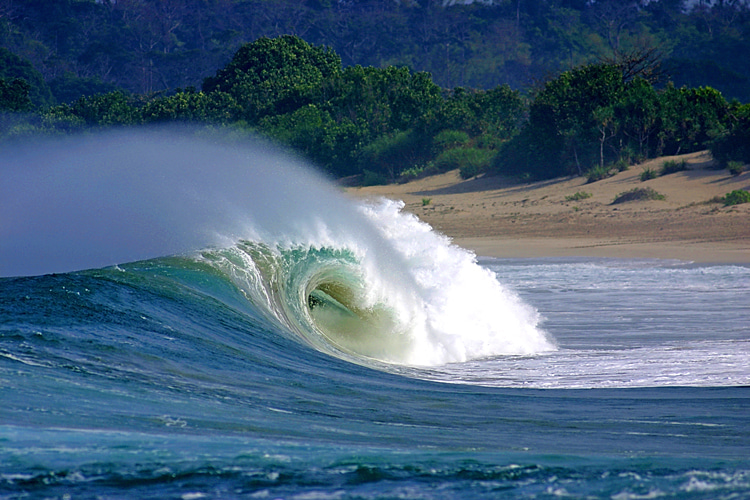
648, 174
580, 195
735, 167
672, 166
598, 173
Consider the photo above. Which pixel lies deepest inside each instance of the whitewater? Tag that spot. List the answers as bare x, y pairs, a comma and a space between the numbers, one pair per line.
185, 314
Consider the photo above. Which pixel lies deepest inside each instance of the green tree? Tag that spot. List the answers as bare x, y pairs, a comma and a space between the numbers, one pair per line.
68, 88
14, 95
565, 124
498, 111
307, 129
732, 142
637, 114
386, 99
216, 108
114, 108
604, 120
275, 76
689, 118
391, 154
13, 67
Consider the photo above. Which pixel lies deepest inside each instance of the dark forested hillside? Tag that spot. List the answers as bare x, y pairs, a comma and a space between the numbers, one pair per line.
91, 46
388, 89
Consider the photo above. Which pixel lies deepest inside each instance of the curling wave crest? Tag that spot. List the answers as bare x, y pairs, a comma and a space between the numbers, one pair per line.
419, 300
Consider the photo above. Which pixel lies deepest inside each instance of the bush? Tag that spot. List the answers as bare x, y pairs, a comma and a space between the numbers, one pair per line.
488, 141
469, 161
410, 174
622, 165
737, 197
735, 167
672, 166
599, 173
580, 195
370, 178
449, 139
417, 172
14, 95
638, 194
733, 143
390, 154
648, 174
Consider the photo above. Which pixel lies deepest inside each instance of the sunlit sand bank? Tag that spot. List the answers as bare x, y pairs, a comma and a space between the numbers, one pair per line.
496, 217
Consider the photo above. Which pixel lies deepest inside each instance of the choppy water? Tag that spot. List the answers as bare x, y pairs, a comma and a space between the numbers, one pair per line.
351, 352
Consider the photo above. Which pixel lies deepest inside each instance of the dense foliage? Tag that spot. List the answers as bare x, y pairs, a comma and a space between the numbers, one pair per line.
732, 141
388, 124
592, 117
144, 46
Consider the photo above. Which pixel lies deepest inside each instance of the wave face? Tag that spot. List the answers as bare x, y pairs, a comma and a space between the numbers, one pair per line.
366, 282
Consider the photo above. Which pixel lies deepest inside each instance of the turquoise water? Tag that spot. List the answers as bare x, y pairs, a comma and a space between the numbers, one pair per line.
351, 352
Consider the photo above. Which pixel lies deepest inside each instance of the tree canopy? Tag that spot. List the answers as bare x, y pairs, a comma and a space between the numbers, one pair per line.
388, 124
145, 46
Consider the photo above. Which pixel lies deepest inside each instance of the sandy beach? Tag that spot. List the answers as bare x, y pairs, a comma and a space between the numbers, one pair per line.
497, 217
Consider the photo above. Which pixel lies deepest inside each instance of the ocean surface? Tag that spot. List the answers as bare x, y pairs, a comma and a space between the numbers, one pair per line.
258, 335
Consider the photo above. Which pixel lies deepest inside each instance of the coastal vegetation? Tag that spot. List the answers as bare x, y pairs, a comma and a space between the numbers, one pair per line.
579, 195
737, 197
86, 47
672, 166
648, 173
612, 102
638, 194
735, 167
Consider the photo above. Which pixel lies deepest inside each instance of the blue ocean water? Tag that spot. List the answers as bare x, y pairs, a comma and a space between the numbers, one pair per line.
345, 350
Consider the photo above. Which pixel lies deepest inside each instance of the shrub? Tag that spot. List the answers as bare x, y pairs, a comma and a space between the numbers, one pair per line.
390, 154
735, 167
580, 195
736, 197
622, 165
648, 173
370, 178
417, 172
426, 201
469, 161
599, 173
488, 141
638, 194
672, 166
733, 143
449, 139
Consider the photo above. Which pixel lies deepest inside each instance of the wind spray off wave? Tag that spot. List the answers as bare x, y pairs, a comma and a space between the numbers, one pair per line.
364, 282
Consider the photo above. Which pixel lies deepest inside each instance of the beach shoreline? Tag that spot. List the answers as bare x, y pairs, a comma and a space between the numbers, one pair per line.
495, 217
698, 252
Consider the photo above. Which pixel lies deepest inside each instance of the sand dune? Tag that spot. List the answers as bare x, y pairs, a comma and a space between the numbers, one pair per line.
497, 217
